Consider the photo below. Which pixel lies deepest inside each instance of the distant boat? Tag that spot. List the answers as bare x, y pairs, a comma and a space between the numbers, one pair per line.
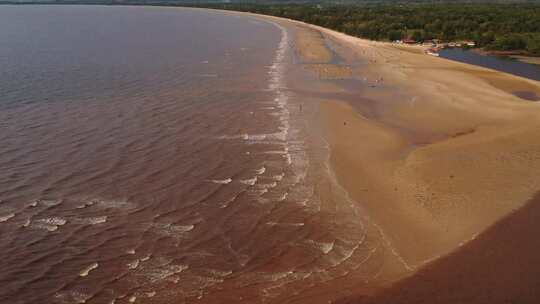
432, 53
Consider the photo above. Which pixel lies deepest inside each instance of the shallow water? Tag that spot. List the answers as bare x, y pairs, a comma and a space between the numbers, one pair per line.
503, 64
528, 95
158, 154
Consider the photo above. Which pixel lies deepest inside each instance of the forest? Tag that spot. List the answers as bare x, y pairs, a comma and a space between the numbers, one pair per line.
499, 27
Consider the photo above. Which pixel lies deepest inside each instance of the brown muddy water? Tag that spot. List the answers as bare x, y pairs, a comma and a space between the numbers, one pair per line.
159, 155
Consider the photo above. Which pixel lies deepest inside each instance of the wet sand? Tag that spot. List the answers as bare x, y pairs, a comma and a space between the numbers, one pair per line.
321, 170
211, 183
437, 153
475, 163
500, 266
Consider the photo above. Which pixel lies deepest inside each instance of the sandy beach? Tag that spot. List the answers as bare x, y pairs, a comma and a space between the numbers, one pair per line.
441, 155
187, 155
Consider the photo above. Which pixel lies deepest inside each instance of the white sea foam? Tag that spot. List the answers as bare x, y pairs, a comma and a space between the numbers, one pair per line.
169, 229
343, 253
164, 272
186, 228
285, 224
97, 220
325, 247
134, 264
91, 220
49, 224
72, 297
199, 283
268, 186
272, 277
49, 202
262, 200
261, 170
58, 221
85, 205
132, 299
221, 181
302, 203
131, 251
250, 181
220, 273
288, 158
276, 152
86, 271
241, 136
150, 294
5, 218
227, 203
272, 138
115, 204
49, 228
256, 137
279, 176
258, 192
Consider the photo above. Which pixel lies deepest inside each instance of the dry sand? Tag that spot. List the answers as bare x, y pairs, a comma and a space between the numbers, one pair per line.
443, 157
479, 162
449, 153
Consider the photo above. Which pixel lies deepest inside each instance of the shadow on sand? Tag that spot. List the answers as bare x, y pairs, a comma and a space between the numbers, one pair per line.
502, 265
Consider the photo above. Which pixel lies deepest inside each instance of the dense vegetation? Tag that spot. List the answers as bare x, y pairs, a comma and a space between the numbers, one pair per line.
501, 27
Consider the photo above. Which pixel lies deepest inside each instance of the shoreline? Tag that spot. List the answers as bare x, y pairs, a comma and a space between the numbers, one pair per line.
437, 151
432, 161
444, 160
514, 53
520, 55
424, 157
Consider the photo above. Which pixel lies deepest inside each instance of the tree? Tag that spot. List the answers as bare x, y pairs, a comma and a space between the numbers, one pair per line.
395, 35
417, 36
533, 44
486, 38
510, 42
491, 25
448, 32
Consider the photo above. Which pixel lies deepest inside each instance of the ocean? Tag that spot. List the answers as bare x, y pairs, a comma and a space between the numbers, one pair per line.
159, 155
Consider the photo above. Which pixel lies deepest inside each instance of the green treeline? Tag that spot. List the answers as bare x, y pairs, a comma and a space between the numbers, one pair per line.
501, 27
